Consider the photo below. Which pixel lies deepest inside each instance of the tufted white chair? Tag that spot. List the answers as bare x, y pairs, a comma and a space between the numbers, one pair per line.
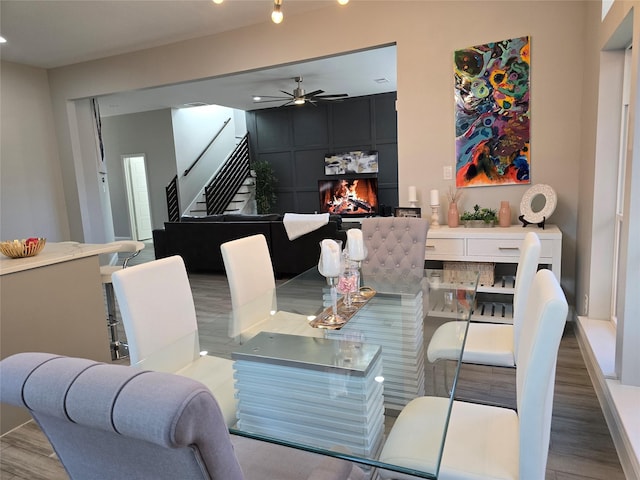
160, 321
489, 343
489, 442
394, 244
110, 421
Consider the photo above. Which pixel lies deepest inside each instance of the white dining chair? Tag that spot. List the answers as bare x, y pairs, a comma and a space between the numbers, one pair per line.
491, 343
133, 247
485, 441
159, 317
252, 284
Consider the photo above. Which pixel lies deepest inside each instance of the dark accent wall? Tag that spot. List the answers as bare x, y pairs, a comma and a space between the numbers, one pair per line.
295, 139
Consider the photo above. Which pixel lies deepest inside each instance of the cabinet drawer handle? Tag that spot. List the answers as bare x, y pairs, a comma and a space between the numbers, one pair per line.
509, 248
431, 246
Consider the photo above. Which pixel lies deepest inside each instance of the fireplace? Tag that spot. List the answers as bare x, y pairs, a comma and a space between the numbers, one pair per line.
356, 197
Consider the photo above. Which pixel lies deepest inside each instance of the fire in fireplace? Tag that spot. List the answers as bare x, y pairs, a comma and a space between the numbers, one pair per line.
353, 196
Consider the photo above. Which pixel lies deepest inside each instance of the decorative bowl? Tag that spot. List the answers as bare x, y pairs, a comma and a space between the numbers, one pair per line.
27, 247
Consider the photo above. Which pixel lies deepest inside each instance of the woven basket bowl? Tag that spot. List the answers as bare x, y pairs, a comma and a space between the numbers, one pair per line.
20, 249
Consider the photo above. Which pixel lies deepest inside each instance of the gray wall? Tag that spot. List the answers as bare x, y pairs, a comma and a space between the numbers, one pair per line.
295, 140
31, 189
149, 133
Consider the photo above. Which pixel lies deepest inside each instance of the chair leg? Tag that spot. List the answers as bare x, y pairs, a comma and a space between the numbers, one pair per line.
438, 365
118, 349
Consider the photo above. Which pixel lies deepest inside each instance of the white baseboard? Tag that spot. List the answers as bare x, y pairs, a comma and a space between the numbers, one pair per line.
621, 414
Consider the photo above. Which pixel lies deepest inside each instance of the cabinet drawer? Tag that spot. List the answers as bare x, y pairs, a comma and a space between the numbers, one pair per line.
444, 247
490, 247
504, 248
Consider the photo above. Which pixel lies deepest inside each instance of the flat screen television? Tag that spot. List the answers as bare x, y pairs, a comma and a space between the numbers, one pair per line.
355, 197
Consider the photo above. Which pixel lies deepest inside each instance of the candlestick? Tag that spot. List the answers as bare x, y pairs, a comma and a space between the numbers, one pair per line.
435, 198
330, 266
435, 215
355, 245
413, 194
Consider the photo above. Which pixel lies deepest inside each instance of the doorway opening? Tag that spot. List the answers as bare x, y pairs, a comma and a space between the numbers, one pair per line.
137, 188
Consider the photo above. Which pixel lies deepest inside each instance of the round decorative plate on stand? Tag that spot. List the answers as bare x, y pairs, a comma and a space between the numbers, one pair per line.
528, 215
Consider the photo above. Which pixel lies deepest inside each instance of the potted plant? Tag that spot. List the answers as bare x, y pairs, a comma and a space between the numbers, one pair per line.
479, 217
265, 186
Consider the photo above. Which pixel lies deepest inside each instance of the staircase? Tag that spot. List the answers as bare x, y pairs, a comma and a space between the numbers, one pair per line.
231, 190
243, 200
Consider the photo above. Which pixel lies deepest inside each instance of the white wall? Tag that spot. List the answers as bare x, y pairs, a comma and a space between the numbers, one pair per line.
149, 133
193, 130
31, 197
426, 34
89, 167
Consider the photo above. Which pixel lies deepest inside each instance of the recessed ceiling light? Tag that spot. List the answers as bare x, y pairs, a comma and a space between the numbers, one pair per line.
195, 104
3, 40
256, 98
381, 80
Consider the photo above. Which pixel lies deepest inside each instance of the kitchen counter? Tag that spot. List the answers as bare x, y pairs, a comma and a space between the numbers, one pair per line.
53, 253
53, 302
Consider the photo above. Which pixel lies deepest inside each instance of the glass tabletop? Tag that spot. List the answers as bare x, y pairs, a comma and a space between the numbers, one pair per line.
335, 385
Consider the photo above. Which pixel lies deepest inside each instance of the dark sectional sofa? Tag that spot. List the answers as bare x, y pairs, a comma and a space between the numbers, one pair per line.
197, 240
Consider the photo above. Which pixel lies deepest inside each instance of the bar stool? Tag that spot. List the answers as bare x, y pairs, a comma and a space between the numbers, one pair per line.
118, 349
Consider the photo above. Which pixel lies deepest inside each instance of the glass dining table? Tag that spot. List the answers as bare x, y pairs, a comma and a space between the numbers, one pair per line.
334, 386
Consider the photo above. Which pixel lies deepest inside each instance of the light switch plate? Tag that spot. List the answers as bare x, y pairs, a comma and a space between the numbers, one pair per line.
447, 173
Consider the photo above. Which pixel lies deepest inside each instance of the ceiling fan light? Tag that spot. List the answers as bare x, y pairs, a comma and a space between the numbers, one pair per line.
276, 15
298, 101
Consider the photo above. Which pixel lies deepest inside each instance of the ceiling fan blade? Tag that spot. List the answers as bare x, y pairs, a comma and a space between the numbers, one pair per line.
272, 96
287, 93
270, 101
335, 95
314, 93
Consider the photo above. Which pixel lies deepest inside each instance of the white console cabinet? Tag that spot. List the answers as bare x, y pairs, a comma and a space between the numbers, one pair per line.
499, 245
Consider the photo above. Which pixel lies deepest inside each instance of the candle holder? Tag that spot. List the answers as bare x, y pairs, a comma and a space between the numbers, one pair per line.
435, 215
347, 286
334, 318
330, 266
358, 297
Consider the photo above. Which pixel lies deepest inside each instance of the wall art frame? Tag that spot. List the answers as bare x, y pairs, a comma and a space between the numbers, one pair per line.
492, 113
356, 161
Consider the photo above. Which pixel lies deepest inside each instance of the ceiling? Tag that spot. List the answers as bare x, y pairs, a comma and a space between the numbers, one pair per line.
55, 33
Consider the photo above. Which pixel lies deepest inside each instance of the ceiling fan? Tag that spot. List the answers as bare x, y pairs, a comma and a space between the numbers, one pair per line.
299, 97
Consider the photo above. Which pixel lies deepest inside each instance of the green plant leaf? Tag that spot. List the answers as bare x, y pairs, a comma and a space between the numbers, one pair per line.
265, 186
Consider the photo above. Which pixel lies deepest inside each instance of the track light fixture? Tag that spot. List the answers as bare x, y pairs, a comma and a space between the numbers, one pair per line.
276, 14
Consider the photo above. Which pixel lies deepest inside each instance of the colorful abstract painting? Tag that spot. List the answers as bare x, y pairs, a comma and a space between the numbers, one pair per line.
492, 113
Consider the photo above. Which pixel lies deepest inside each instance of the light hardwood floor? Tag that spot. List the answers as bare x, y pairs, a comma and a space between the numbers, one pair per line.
581, 447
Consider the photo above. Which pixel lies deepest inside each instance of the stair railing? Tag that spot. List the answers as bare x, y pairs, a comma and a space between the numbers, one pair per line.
226, 122
173, 200
224, 185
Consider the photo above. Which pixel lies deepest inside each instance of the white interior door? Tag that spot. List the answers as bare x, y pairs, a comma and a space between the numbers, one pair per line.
138, 196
